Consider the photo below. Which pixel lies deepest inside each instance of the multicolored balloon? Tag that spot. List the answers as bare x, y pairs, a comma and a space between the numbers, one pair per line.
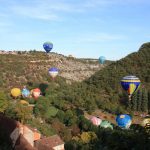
124, 121
96, 121
48, 46
102, 59
146, 123
53, 72
25, 92
36, 93
15, 92
130, 84
106, 124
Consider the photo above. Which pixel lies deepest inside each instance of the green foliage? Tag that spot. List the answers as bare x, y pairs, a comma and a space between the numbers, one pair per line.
51, 112
23, 112
139, 101
44, 128
3, 102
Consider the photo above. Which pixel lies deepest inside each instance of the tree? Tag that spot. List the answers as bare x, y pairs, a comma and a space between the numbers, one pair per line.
41, 107
3, 102
50, 112
144, 105
134, 102
148, 101
23, 112
86, 137
139, 100
69, 118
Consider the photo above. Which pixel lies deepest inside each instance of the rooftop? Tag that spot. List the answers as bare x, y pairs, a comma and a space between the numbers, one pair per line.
51, 141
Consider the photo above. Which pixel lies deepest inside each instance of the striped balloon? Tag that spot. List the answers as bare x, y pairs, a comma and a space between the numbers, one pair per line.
130, 84
96, 121
53, 72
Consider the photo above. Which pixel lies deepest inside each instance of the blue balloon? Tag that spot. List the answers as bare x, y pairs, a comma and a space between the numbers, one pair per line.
124, 121
48, 46
53, 69
102, 59
25, 92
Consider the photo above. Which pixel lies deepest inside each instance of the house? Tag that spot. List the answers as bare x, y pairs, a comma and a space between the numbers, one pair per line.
22, 144
23, 137
50, 143
20, 135
30, 134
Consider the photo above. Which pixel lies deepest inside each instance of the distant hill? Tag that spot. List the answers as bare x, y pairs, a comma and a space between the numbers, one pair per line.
18, 68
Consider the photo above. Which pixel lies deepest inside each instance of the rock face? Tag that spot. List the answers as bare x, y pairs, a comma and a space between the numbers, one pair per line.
33, 66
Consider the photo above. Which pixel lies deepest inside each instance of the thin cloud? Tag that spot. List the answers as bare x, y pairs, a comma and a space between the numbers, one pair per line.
45, 10
57, 10
99, 38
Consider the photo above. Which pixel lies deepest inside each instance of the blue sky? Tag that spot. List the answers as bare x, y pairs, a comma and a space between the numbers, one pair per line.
83, 28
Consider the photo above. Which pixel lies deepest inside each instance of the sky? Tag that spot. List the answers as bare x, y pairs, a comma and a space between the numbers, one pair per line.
82, 28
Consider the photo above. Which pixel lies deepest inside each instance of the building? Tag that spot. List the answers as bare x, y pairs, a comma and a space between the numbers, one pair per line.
50, 143
24, 137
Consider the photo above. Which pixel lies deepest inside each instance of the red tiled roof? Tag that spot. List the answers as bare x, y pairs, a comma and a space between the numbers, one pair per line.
50, 142
22, 144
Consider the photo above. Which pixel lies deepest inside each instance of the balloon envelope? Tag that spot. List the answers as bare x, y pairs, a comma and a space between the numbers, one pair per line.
102, 59
36, 92
106, 124
48, 46
124, 121
25, 92
146, 121
96, 121
24, 102
15, 92
130, 84
53, 72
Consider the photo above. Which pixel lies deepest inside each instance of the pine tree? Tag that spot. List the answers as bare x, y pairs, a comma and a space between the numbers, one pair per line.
3, 102
148, 101
144, 104
139, 100
134, 102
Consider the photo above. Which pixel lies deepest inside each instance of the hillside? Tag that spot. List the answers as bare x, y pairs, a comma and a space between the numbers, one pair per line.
103, 89
19, 68
137, 64
65, 109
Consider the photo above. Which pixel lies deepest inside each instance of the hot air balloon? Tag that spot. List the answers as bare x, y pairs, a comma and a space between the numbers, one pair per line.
146, 123
53, 72
24, 102
96, 121
130, 84
36, 93
48, 46
124, 121
106, 124
25, 92
102, 59
15, 92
